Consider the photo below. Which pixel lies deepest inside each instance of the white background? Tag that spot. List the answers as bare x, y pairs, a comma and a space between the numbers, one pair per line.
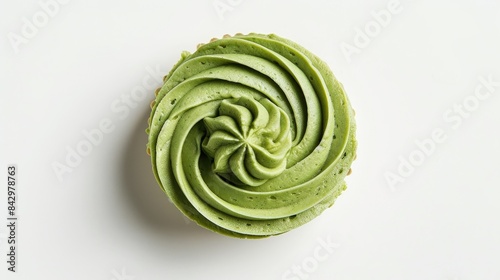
107, 219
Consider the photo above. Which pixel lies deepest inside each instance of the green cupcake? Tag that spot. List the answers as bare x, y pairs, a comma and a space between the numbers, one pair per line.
251, 135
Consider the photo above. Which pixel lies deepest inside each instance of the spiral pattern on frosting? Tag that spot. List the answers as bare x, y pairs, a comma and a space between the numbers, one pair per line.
251, 135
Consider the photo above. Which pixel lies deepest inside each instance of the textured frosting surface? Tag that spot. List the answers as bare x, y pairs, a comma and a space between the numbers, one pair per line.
251, 135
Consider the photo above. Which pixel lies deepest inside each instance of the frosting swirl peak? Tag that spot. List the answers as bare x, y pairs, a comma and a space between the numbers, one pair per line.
249, 140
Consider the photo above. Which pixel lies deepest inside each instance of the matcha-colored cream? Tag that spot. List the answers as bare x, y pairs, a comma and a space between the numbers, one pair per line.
251, 135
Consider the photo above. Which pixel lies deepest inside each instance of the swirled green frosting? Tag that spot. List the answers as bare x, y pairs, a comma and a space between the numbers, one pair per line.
251, 135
